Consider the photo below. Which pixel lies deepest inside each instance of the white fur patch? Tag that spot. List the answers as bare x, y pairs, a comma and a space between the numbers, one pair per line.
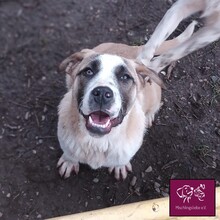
105, 77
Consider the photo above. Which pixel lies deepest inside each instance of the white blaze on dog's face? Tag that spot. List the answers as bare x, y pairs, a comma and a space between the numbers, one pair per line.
105, 93
104, 87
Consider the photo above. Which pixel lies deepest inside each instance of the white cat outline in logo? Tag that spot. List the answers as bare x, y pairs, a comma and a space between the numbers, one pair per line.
186, 192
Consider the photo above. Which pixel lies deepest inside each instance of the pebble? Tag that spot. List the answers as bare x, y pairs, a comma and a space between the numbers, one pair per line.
133, 181
27, 115
130, 33
95, 180
45, 109
39, 216
149, 169
68, 25
40, 141
157, 187
86, 204
120, 23
164, 194
1, 214
137, 191
8, 195
214, 79
202, 132
52, 148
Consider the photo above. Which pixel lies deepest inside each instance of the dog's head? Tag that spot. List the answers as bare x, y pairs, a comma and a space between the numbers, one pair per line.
105, 87
185, 191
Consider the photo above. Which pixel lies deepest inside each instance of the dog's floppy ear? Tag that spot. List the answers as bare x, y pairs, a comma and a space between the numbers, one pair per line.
180, 192
147, 75
72, 61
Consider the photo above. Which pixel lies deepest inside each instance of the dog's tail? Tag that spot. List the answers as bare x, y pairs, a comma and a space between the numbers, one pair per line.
188, 41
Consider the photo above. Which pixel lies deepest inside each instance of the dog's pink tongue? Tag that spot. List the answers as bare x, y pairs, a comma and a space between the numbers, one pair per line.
100, 117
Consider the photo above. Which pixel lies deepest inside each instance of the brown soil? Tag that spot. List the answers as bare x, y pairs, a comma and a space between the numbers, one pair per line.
35, 36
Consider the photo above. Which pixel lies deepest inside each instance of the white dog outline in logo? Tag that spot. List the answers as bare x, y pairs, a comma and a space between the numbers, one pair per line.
199, 193
185, 192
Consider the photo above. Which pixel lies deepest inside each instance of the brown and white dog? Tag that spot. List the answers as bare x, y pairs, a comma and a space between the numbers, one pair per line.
112, 99
110, 102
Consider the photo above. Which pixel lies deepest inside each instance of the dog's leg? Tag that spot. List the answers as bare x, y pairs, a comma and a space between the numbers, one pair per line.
66, 166
121, 171
200, 39
179, 11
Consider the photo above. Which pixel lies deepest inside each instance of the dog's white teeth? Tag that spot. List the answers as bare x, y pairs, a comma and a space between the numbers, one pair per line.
98, 125
90, 120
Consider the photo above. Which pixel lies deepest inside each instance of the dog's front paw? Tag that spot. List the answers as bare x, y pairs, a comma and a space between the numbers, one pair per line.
66, 167
121, 171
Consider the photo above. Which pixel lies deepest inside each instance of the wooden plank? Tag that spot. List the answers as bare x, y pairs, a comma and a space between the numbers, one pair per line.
156, 209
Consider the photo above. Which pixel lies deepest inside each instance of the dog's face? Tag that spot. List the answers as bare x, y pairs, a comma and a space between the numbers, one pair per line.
105, 88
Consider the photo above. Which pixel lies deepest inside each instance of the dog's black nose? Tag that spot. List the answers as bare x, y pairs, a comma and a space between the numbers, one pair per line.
102, 94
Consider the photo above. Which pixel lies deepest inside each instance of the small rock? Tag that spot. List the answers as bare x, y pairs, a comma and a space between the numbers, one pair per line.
68, 25
39, 216
214, 79
164, 194
137, 191
27, 115
142, 174
157, 190
37, 193
86, 204
130, 33
40, 141
120, 23
95, 180
149, 169
45, 109
34, 151
157, 187
202, 132
1, 214
8, 195
52, 148
159, 178
133, 181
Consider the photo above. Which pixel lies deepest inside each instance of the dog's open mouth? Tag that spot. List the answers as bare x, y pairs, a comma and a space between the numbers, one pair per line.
100, 123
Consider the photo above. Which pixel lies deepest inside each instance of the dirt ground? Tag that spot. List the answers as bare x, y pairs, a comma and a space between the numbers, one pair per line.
35, 36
